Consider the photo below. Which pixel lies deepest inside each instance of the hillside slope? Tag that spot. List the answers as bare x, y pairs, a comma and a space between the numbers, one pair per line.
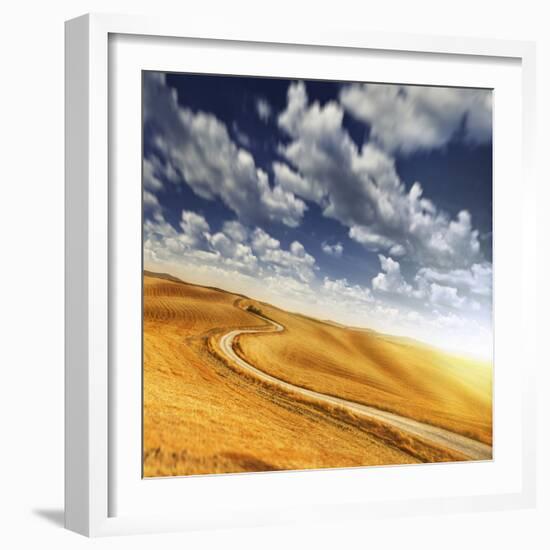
202, 417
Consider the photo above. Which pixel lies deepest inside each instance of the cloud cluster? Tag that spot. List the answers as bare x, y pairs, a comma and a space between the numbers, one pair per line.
293, 262
360, 188
198, 146
453, 289
235, 247
412, 118
478, 279
238, 251
340, 289
251, 255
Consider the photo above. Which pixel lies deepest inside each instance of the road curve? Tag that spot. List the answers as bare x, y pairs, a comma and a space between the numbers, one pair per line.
474, 450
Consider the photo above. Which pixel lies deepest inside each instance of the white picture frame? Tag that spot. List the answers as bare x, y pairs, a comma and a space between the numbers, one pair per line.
91, 221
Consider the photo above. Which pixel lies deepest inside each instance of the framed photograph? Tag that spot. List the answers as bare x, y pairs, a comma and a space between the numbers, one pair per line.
290, 271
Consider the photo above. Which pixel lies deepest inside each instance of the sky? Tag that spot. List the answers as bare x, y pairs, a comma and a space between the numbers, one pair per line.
361, 203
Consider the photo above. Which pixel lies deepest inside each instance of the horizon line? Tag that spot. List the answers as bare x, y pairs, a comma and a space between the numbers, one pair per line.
174, 278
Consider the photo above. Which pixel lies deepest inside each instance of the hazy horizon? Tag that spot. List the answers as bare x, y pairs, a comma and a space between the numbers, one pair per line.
320, 315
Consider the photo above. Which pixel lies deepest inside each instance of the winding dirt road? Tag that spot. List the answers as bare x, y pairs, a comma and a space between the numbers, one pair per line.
474, 450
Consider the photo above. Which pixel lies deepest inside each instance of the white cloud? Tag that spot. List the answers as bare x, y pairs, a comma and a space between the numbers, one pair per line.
446, 296
361, 189
294, 262
150, 179
234, 248
263, 108
278, 204
155, 172
358, 187
295, 109
288, 287
411, 118
234, 254
150, 201
193, 223
340, 289
236, 230
335, 250
390, 279
374, 242
252, 261
408, 224
297, 249
262, 241
478, 279
199, 146
195, 229
291, 181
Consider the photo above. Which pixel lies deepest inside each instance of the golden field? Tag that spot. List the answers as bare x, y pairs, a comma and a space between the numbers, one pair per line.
202, 414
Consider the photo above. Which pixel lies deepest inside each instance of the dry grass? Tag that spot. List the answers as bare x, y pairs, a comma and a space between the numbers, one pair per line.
393, 374
202, 416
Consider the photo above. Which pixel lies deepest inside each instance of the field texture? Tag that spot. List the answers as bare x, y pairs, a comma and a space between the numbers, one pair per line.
208, 411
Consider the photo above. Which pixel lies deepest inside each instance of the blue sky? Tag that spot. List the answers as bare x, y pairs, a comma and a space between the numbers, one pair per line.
367, 204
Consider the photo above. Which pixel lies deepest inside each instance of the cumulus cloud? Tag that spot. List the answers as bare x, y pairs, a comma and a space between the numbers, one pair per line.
295, 261
201, 149
478, 279
340, 289
150, 178
291, 181
335, 250
375, 242
154, 173
150, 201
235, 247
360, 188
248, 257
289, 287
427, 292
195, 229
296, 107
262, 241
412, 118
445, 296
390, 279
234, 253
235, 230
263, 108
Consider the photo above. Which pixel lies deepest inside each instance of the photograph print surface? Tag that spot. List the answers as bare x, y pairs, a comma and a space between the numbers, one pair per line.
317, 286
